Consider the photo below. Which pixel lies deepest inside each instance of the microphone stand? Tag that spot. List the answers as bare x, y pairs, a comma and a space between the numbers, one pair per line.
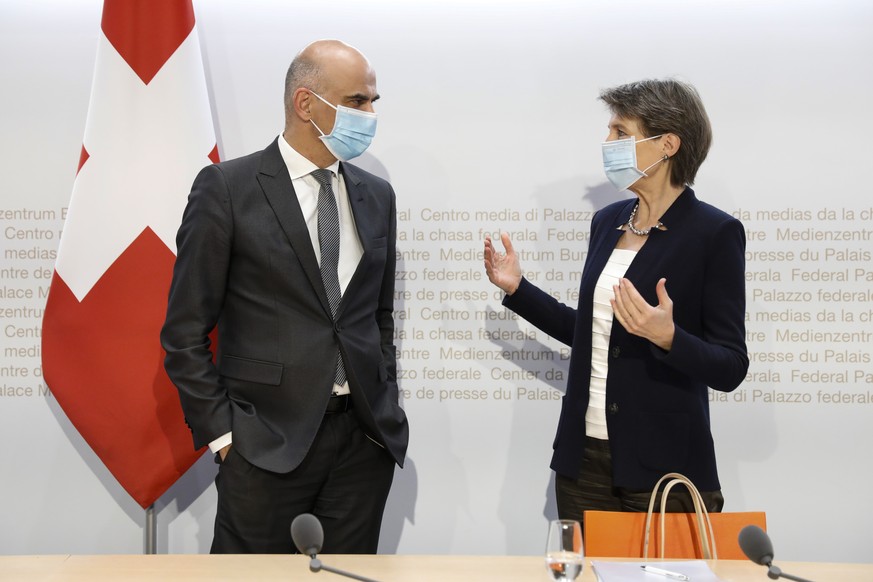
315, 565
774, 572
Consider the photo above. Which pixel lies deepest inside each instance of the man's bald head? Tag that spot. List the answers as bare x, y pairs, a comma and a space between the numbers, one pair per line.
317, 63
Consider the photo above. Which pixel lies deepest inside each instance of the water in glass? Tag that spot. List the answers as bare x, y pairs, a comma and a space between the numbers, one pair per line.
564, 555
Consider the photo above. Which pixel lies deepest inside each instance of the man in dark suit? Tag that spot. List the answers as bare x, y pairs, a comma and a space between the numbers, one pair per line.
300, 404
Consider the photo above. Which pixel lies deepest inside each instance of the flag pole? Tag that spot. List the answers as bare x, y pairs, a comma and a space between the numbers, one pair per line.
151, 534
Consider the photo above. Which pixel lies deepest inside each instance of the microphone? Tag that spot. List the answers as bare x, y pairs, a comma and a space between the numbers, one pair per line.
308, 536
307, 533
757, 546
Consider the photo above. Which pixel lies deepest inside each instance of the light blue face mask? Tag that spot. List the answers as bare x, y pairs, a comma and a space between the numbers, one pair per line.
620, 161
352, 132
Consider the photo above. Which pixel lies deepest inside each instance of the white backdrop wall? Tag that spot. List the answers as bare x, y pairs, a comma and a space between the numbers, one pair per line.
489, 121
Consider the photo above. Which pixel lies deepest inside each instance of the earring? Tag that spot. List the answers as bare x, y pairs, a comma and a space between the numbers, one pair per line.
666, 157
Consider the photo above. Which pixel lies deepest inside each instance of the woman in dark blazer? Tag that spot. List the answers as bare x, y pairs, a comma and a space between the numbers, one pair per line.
660, 315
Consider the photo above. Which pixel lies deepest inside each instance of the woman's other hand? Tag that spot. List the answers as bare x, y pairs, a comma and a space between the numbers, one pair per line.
502, 269
654, 323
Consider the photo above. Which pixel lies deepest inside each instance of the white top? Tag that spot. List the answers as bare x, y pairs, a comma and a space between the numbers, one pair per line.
601, 328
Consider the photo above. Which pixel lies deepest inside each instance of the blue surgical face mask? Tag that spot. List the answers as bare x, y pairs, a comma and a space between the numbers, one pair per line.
620, 161
352, 132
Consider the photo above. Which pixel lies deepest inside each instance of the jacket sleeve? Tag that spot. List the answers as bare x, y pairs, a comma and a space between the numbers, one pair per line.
543, 311
718, 357
385, 308
196, 296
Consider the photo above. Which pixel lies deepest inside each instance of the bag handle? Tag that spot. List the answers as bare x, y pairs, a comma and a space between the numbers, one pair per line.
704, 524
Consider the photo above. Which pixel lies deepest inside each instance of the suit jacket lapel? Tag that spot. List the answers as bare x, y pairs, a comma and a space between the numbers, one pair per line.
364, 223
602, 252
356, 190
276, 183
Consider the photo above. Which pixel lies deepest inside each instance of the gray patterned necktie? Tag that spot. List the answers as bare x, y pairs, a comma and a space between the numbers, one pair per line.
329, 243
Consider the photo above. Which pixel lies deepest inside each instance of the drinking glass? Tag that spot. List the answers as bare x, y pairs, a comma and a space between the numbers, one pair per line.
564, 554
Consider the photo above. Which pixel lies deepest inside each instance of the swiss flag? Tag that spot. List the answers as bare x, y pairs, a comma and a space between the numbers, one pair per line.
149, 131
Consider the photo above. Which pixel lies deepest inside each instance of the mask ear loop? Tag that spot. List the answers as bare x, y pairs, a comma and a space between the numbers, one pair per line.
318, 128
647, 138
664, 159
326, 102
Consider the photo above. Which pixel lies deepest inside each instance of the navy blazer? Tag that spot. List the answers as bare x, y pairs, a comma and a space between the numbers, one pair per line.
657, 402
246, 264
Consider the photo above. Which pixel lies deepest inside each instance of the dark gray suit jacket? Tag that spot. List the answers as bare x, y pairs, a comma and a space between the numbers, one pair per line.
245, 264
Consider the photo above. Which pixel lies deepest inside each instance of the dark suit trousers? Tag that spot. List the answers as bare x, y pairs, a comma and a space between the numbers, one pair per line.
344, 481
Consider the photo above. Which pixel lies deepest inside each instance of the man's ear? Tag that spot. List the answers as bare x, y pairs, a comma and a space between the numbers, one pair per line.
301, 102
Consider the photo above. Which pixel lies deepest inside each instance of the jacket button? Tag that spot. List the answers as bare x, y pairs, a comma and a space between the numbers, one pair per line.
616, 352
613, 408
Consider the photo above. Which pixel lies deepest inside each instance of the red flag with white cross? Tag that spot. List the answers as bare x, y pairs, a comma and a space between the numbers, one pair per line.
149, 131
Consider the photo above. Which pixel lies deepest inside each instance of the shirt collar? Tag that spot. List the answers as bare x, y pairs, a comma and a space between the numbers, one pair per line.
298, 165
